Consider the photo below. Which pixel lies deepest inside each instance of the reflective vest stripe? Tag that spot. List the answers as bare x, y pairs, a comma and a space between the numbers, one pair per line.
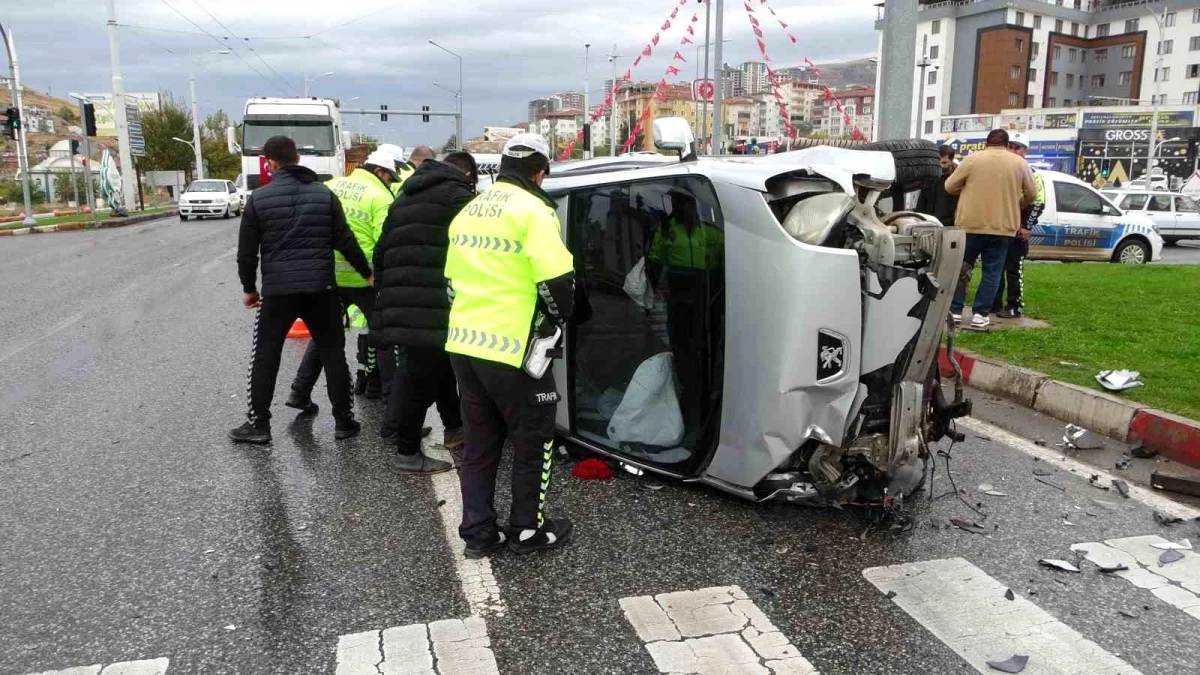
487, 243
479, 338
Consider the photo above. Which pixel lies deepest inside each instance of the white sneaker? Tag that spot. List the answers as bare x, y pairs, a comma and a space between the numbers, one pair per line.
979, 322
956, 317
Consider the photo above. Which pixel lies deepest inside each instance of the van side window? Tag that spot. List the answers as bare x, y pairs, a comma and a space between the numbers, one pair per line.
1134, 202
1186, 205
1077, 199
1160, 203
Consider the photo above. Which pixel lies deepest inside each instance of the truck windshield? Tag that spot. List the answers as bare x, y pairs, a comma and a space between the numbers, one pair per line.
312, 136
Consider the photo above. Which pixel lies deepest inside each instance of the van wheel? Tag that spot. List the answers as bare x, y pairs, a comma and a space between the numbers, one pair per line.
917, 160
1132, 252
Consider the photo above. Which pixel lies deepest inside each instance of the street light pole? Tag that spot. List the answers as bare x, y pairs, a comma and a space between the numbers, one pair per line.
1158, 19
196, 110
87, 153
458, 139
308, 81
705, 124
717, 121
119, 113
612, 110
22, 149
587, 135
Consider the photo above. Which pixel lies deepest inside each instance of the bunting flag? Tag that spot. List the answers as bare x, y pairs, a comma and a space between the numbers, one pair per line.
749, 8
754, 21
666, 25
675, 12
646, 51
626, 75
672, 70
685, 41
757, 31
659, 96
780, 21
695, 18
678, 57
691, 30
858, 135
653, 41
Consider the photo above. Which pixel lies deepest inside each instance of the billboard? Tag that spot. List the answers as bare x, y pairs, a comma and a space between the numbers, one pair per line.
967, 123
1035, 121
106, 124
1117, 120
500, 133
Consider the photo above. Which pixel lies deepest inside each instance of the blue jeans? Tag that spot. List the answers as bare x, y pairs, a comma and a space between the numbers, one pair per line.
992, 249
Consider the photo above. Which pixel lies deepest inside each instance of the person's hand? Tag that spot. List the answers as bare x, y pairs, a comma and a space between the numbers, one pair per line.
250, 300
1023, 233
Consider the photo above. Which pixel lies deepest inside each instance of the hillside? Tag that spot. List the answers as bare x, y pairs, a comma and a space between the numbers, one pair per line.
38, 106
846, 73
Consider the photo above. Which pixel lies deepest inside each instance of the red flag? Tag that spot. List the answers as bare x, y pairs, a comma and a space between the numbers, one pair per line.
685, 41
645, 52
809, 63
666, 24
264, 170
662, 83
749, 8
672, 70
857, 134
783, 25
674, 12
828, 95
627, 74
579, 136
659, 96
792, 38
753, 21
691, 30
679, 57
654, 40
695, 18
757, 31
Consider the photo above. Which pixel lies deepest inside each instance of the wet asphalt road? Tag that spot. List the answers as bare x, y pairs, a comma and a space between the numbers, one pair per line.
130, 528
1184, 253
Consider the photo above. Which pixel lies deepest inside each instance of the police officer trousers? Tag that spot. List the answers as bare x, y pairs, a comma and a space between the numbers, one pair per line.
501, 403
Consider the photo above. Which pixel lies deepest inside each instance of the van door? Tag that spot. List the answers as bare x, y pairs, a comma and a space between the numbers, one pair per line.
1089, 223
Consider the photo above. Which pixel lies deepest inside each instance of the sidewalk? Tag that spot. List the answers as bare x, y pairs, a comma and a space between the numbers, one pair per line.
89, 225
1175, 437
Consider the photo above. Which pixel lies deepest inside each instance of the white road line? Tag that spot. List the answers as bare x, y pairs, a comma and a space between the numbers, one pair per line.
451, 647
1053, 457
712, 630
148, 667
968, 611
1177, 583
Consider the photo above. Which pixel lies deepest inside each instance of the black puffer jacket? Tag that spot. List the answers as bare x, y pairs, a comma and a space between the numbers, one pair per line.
410, 258
297, 223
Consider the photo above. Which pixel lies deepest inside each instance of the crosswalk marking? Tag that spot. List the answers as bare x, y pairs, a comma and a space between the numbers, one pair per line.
712, 630
146, 667
968, 611
451, 647
1177, 583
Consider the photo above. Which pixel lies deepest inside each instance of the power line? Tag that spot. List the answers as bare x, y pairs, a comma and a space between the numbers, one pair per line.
246, 44
152, 41
347, 23
220, 42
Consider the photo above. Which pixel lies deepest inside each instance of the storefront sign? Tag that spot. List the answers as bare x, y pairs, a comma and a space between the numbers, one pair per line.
1113, 120
1057, 154
1136, 135
967, 123
1032, 122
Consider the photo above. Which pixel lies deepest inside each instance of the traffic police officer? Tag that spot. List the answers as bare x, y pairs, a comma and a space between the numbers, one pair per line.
365, 196
508, 271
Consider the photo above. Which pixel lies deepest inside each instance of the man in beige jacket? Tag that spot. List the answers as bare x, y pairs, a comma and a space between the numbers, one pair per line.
993, 186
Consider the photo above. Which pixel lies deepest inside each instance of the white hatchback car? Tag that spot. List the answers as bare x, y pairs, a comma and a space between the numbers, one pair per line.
1080, 224
210, 198
1176, 215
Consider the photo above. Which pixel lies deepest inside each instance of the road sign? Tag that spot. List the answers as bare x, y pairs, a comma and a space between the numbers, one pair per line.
703, 90
137, 142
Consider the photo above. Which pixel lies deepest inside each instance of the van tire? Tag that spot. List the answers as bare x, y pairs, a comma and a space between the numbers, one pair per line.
917, 160
1127, 254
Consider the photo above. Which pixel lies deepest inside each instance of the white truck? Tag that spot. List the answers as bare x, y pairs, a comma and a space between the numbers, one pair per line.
314, 123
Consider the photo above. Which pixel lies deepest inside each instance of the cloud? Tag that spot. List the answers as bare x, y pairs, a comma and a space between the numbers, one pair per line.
512, 52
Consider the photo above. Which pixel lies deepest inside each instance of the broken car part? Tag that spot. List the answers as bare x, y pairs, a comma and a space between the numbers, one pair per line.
1119, 380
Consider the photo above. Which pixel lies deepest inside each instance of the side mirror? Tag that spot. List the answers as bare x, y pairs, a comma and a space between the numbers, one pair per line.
674, 134
231, 141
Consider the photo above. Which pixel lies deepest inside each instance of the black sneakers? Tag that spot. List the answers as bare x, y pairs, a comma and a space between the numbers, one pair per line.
302, 403
347, 427
419, 464
482, 549
250, 433
1012, 313
554, 533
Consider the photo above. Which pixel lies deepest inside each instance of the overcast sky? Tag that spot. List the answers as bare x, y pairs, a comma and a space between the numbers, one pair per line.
378, 49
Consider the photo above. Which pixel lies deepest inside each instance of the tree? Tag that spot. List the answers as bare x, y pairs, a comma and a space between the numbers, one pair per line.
218, 161
68, 114
160, 127
451, 143
63, 185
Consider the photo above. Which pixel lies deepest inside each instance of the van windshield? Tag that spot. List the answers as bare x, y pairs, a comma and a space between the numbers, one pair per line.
313, 136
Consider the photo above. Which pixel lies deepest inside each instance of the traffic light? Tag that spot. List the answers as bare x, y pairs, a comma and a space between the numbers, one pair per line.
424, 118
12, 122
74, 147
383, 115
89, 119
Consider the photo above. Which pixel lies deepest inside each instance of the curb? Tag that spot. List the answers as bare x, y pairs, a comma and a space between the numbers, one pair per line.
87, 225
1175, 437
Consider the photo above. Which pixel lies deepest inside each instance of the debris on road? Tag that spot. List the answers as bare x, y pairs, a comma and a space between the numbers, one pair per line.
1094, 481
231, 627
1185, 545
1169, 556
996, 493
1119, 567
1126, 613
594, 468
1140, 451
1174, 482
1043, 472
1123, 462
1163, 518
1066, 521
1078, 438
968, 526
1013, 664
1122, 487
1041, 442
986, 487
1058, 564
1009, 595
1119, 380
1053, 485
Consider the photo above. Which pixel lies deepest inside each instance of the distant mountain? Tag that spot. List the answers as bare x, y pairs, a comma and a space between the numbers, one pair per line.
839, 74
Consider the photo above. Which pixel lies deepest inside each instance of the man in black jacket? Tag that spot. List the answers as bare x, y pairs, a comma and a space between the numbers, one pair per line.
934, 200
297, 223
413, 311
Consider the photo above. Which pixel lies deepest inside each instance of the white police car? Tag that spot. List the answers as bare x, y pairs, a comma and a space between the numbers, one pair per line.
1080, 224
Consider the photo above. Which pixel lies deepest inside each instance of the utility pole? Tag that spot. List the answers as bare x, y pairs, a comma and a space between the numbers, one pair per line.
718, 93
704, 123
119, 114
195, 60
922, 64
587, 133
1159, 19
458, 139
22, 149
612, 111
